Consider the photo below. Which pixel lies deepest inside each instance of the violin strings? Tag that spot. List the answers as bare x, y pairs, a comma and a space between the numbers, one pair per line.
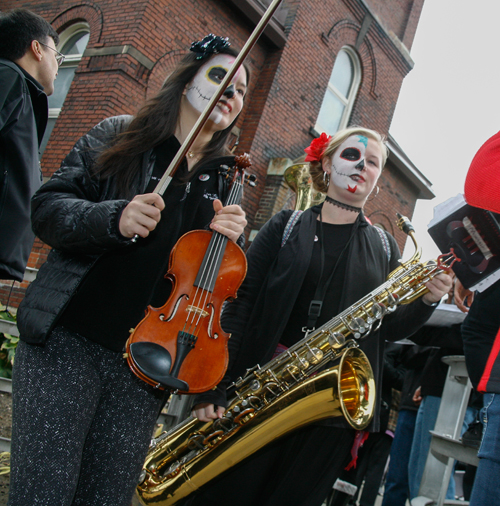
209, 271
219, 247
202, 293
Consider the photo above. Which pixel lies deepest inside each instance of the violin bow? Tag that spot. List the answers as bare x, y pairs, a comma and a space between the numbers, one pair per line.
174, 164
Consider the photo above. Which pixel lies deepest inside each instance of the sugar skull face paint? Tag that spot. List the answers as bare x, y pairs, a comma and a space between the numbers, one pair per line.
205, 84
348, 163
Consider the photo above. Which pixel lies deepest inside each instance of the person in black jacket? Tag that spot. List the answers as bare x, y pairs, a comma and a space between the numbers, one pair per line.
82, 421
28, 68
481, 328
332, 255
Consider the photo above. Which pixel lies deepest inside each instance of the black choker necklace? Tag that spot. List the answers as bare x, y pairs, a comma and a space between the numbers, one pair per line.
347, 207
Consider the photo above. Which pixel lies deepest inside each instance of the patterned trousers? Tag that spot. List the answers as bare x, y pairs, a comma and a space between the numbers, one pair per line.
82, 423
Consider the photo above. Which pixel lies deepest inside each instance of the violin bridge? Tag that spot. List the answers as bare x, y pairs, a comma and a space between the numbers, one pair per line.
197, 310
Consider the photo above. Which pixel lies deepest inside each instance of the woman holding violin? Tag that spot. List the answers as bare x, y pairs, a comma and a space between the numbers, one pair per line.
330, 255
82, 421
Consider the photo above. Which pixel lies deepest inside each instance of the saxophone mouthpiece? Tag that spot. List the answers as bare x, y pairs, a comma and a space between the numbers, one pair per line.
405, 224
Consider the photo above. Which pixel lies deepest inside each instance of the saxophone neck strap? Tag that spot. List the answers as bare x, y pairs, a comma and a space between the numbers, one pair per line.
321, 288
294, 217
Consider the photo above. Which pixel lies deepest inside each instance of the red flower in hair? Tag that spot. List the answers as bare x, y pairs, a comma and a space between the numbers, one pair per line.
317, 148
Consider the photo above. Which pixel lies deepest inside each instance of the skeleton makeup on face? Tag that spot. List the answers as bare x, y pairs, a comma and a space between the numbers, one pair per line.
207, 80
348, 163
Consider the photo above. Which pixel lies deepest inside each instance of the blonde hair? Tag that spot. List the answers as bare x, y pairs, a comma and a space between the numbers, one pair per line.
316, 168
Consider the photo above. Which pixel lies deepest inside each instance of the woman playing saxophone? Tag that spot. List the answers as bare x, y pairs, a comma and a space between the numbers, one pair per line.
303, 270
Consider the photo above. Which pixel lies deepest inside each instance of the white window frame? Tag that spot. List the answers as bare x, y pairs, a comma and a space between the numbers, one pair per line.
70, 60
348, 100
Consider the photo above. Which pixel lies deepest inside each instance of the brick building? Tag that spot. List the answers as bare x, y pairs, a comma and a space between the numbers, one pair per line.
319, 66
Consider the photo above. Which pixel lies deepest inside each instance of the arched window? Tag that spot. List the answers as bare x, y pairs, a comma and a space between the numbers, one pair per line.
72, 43
340, 93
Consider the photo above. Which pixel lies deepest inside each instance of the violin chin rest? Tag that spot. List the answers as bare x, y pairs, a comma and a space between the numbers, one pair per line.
155, 362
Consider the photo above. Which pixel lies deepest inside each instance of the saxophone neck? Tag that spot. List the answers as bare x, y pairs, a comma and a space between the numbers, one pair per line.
406, 226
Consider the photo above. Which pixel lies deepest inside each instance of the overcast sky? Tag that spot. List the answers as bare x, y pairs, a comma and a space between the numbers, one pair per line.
450, 102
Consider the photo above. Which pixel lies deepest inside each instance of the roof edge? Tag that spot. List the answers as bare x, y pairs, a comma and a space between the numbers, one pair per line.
399, 158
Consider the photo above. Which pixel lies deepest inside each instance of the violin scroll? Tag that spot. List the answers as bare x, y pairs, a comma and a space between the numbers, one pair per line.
241, 164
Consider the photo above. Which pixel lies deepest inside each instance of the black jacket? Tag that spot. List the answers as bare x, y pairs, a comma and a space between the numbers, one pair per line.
274, 278
414, 358
77, 214
23, 118
481, 335
392, 378
444, 341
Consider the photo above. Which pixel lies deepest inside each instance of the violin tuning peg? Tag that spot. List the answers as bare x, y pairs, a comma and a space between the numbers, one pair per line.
252, 180
224, 170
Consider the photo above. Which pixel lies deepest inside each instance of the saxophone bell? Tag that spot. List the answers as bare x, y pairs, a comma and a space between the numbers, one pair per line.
176, 467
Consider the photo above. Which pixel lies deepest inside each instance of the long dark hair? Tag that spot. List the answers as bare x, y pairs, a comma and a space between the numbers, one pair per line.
155, 122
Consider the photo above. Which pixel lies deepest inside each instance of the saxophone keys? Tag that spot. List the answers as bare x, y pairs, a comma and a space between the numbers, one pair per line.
302, 363
292, 372
245, 416
212, 438
378, 310
358, 326
272, 389
336, 339
314, 355
173, 470
142, 476
253, 401
392, 299
224, 424
196, 442
255, 385
363, 327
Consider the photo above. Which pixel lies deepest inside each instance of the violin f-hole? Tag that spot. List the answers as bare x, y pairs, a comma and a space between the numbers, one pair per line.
176, 307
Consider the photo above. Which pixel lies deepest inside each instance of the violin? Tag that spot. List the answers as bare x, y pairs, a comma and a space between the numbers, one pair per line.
181, 346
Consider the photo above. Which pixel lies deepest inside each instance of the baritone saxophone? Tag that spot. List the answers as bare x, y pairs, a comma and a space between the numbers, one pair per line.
298, 178
291, 391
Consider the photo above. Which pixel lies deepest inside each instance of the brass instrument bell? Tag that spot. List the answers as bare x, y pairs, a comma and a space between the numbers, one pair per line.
298, 178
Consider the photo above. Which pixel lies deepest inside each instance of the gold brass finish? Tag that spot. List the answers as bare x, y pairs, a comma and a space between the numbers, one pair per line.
297, 177
289, 392
347, 390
